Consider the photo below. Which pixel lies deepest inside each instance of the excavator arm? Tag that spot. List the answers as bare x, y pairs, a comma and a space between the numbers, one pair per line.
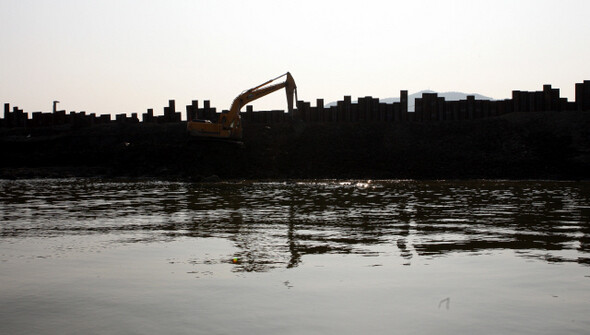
257, 93
229, 123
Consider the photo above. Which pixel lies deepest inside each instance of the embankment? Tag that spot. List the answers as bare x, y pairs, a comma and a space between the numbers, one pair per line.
540, 145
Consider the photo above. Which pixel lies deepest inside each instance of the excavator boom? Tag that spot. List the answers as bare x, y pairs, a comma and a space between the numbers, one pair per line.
229, 124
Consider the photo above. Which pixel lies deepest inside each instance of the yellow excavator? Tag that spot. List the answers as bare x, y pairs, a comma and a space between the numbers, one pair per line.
229, 123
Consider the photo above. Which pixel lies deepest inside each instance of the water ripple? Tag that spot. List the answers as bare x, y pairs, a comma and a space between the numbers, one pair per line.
275, 224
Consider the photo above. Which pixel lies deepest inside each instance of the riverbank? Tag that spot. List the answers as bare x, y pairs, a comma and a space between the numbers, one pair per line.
540, 145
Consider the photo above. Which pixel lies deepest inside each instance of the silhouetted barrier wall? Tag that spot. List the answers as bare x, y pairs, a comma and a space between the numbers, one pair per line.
583, 95
429, 108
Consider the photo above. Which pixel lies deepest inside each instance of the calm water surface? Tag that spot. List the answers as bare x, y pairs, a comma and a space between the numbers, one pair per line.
330, 257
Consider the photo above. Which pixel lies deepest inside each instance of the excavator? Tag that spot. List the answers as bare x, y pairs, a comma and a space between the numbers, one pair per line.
229, 123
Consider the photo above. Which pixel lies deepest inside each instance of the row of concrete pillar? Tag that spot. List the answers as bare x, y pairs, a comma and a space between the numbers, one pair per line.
430, 107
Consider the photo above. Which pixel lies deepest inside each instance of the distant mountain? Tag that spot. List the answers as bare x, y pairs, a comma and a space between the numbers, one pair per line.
449, 96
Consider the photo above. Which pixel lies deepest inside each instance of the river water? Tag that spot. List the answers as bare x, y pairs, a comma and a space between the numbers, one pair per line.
313, 257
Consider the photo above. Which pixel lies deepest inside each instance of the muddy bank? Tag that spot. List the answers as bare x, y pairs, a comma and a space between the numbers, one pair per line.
538, 145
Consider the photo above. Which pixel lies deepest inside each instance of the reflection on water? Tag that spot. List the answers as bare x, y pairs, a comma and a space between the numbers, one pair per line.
329, 257
275, 225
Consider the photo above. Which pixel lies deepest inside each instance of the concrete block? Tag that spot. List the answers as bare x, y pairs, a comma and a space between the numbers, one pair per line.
354, 113
440, 105
539, 102
555, 99
403, 101
382, 112
18, 117
337, 113
428, 106
470, 107
397, 115
319, 110
37, 120
509, 106
527, 101
327, 114
208, 112
283, 116
486, 108
548, 98
47, 119
307, 111
166, 116
189, 112
21, 118
389, 117
347, 106
148, 117
448, 112
583, 95
59, 117
298, 110
121, 118
313, 114
516, 104
418, 110
105, 118
267, 117
194, 109
478, 111
319, 103
364, 108
248, 115
502, 106
374, 109
252, 117
463, 113
457, 110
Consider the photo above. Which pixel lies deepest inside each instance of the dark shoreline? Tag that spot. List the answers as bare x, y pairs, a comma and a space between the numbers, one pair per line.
530, 146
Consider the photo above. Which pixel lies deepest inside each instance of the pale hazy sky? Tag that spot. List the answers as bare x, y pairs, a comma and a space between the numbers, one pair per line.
125, 56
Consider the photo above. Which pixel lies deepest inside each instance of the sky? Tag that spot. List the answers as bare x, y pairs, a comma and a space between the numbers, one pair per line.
124, 56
